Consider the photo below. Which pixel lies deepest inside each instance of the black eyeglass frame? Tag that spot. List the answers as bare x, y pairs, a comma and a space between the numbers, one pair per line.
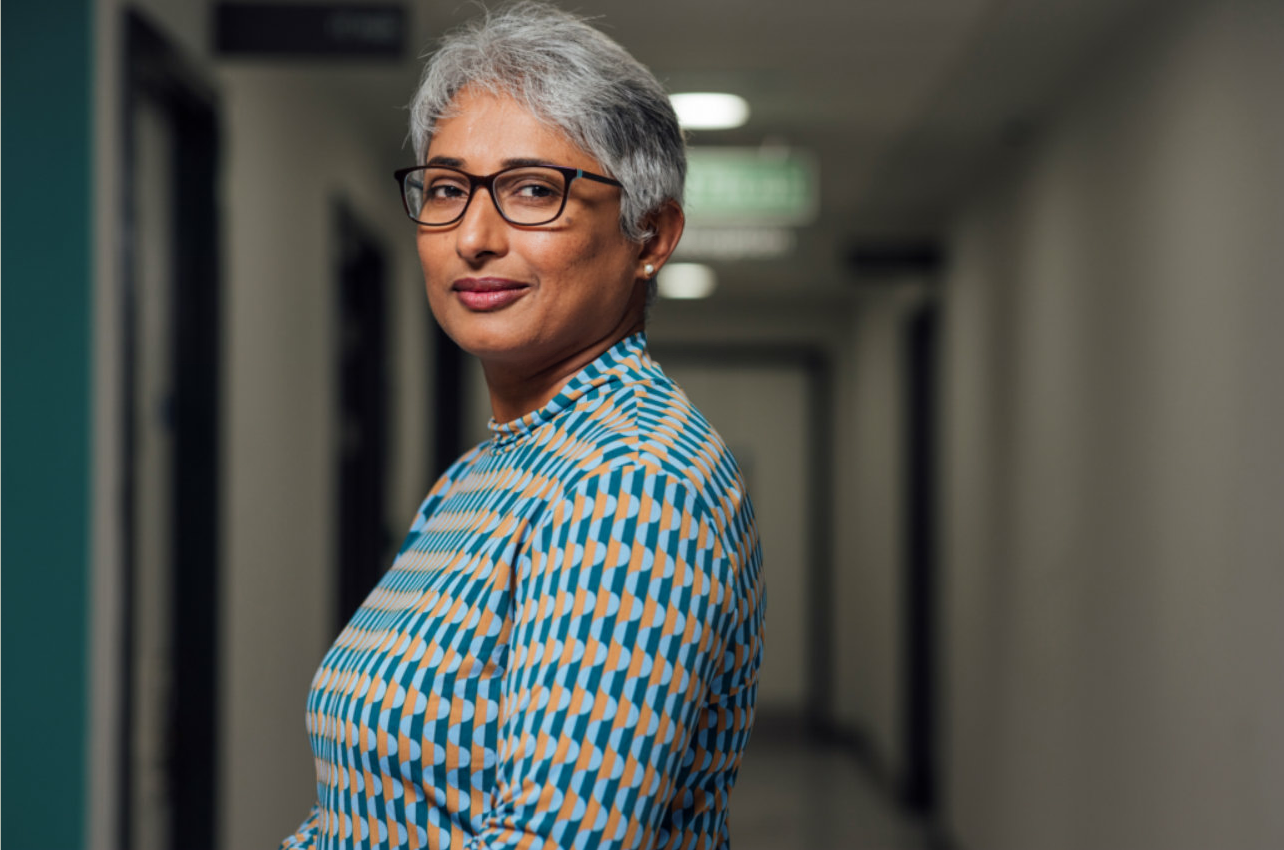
488, 181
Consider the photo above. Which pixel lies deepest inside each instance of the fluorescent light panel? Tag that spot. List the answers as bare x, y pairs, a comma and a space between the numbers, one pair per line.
686, 281
710, 110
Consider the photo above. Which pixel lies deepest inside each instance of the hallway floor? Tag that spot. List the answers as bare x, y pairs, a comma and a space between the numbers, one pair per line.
792, 795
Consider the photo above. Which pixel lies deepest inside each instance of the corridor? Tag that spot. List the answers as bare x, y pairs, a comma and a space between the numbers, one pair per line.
984, 296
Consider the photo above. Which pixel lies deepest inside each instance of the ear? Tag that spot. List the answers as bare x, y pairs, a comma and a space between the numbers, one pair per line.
666, 226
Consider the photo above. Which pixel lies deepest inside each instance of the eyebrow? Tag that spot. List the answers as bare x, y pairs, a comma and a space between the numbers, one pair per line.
512, 162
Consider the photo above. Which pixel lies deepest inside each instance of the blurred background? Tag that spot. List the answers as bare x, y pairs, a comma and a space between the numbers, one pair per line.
991, 316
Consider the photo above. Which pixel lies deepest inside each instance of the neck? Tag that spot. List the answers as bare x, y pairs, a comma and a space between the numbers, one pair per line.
516, 391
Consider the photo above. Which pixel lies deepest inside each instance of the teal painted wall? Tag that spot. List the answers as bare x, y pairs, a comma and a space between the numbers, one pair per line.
47, 56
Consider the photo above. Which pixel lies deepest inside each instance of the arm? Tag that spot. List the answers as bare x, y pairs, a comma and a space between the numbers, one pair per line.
305, 837
621, 614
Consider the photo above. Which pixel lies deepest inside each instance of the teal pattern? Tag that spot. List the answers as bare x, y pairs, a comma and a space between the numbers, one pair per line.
565, 652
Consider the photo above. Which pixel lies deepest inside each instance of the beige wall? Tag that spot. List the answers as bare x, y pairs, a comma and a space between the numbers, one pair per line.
1113, 607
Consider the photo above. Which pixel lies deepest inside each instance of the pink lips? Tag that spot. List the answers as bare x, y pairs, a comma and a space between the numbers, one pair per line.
484, 294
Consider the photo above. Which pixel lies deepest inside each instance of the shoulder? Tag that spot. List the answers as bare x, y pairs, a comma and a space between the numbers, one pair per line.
648, 436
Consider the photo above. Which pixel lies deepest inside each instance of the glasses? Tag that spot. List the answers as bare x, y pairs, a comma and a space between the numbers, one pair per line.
525, 195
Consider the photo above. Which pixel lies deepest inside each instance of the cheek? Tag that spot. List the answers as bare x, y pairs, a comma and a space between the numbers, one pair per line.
577, 251
430, 262
434, 262
428, 254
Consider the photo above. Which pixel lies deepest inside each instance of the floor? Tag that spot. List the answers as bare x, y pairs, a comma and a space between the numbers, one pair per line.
792, 794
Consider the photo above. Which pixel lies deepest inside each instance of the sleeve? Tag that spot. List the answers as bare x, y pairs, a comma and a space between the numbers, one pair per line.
621, 615
305, 837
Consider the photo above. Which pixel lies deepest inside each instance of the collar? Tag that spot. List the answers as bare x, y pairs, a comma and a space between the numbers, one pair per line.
625, 362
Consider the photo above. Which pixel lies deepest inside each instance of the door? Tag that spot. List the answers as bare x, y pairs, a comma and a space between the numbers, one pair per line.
919, 665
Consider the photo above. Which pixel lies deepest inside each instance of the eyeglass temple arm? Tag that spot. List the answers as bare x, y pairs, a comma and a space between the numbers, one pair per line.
588, 175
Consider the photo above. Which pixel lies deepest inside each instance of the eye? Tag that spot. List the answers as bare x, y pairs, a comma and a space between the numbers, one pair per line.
446, 190
532, 188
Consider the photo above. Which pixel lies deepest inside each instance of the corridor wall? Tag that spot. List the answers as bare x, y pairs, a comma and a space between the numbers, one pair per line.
1113, 471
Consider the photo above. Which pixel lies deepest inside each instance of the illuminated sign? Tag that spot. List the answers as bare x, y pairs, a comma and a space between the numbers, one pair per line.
750, 186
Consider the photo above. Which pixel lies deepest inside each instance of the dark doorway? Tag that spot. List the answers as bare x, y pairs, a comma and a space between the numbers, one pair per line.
171, 313
919, 789
363, 411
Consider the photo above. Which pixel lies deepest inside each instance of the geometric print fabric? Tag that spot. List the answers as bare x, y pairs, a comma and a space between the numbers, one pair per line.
565, 651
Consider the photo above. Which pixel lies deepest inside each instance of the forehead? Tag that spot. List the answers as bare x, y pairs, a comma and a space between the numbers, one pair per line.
485, 130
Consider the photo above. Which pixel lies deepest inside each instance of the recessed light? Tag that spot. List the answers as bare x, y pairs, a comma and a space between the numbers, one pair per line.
710, 110
686, 280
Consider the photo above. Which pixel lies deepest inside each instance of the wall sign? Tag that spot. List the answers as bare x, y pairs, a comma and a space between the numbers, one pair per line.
306, 31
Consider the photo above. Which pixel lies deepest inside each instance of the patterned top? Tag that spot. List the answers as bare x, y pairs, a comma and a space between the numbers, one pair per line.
565, 651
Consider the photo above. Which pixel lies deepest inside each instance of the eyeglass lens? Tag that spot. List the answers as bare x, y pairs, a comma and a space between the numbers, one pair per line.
528, 195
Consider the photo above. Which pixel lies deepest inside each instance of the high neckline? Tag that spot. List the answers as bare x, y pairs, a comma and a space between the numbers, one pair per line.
627, 358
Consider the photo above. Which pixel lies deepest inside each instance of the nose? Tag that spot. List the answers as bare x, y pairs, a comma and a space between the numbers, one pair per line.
482, 232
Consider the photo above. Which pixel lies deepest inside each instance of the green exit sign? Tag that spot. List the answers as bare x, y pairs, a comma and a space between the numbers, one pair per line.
728, 186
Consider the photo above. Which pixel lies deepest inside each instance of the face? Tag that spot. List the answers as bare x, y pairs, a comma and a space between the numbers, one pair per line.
525, 296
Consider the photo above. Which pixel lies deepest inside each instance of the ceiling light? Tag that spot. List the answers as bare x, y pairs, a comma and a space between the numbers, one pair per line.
710, 110
686, 280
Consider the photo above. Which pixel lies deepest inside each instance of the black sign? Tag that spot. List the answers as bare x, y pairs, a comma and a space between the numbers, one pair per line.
305, 31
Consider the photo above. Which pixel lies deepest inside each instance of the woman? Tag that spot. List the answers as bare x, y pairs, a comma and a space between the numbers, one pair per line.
565, 651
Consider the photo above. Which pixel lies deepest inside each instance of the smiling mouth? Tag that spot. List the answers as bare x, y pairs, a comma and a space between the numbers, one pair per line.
486, 294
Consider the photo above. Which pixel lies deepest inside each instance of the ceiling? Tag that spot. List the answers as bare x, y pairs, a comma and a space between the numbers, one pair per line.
903, 102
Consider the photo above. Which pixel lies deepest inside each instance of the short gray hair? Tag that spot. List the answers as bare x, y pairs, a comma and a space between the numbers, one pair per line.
573, 78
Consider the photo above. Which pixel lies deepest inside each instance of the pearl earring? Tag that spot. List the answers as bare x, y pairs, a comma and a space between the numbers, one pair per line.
650, 269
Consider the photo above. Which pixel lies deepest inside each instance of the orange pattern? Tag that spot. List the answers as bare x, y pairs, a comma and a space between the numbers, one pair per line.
565, 652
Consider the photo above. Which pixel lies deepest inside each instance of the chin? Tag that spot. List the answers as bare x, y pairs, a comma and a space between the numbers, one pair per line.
496, 342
